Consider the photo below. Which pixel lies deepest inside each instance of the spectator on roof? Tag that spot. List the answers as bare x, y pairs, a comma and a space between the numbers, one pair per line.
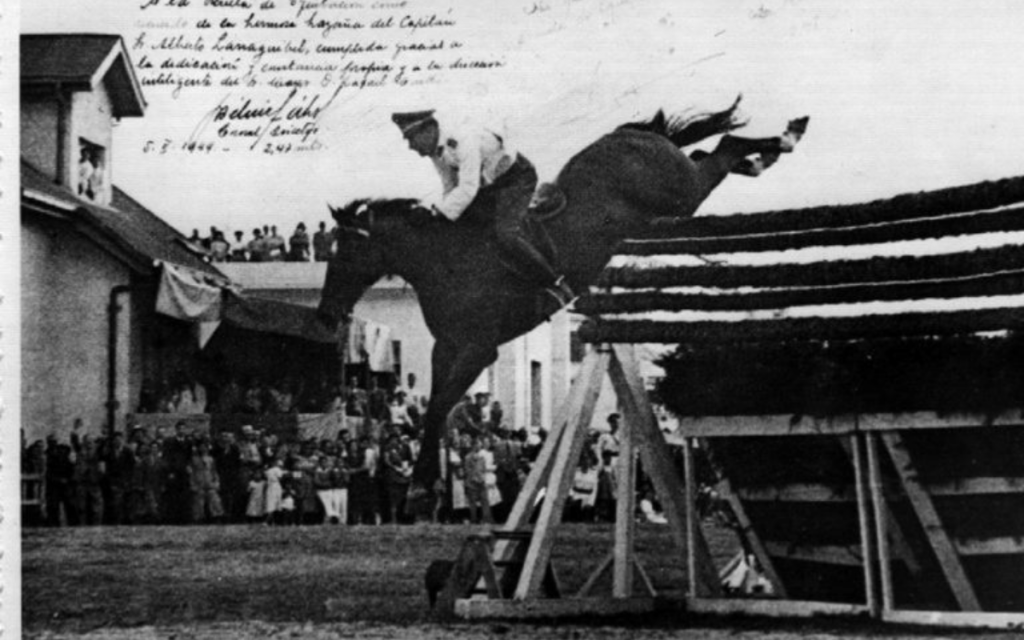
299, 244
322, 241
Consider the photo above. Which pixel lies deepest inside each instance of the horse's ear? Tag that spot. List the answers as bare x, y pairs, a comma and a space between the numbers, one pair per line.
658, 122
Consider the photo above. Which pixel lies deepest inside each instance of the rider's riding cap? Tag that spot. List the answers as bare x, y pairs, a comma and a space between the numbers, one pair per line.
409, 121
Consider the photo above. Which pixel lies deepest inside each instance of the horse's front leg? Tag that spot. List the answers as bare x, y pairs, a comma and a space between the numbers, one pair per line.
456, 367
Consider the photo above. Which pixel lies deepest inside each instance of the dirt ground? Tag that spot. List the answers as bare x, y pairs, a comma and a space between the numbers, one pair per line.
270, 582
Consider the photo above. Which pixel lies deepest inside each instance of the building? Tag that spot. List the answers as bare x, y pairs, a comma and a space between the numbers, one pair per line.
89, 251
530, 379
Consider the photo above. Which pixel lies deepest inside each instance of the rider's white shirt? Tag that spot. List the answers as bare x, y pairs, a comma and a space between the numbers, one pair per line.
469, 157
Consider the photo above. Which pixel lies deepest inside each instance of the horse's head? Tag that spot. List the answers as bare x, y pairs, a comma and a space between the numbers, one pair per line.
357, 265
362, 256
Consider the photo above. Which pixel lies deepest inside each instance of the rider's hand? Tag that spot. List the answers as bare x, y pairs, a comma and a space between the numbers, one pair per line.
420, 216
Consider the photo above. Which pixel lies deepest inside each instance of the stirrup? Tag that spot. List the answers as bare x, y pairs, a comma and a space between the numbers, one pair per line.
562, 292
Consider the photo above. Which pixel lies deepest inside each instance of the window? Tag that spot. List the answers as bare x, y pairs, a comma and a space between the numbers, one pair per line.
396, 354
536, 393
92, 171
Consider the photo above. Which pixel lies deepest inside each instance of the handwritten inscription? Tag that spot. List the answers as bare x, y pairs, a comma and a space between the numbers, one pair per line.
272, 69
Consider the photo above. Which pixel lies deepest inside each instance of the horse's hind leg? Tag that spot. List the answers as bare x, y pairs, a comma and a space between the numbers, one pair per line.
733, 154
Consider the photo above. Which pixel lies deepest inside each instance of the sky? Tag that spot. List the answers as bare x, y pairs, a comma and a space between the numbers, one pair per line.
902, 97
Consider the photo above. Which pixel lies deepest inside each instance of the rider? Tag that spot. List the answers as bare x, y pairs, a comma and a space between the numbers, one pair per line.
472, 162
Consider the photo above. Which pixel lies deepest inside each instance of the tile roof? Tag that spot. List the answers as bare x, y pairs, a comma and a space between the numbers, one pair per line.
128, 223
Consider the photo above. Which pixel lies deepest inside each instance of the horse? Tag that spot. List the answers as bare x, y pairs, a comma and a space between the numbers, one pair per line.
472, 301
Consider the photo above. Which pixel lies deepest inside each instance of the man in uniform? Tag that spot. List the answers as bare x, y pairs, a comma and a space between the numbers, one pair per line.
472, 161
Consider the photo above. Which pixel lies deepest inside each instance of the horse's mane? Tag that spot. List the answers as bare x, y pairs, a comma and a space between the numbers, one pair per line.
684, 130
391, 206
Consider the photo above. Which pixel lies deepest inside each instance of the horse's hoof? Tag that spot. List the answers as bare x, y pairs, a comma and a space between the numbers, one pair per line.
793, 133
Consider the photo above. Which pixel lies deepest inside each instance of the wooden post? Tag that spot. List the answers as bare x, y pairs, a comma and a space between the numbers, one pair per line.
881, 522
899, 545
625, 509
923, 506
692, 517
563, 471
864, 526
625, 374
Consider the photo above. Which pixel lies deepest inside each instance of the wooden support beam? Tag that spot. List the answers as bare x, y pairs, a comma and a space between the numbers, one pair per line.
625, 510
1003, 545
646, 579
625, 375
825, 554
563, 471
882, 523
790, 425
773, 608
864, 525
519, 517
977, 486
797, 492
765, 425
747, 529
1002, 621
924, 508
564, 607
595, 576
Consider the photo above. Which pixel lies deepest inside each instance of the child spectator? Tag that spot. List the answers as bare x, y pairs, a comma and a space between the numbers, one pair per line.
256, 508
476, 484
275, 491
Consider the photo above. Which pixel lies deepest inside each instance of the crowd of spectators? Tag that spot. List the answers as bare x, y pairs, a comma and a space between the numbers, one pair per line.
266, 245
182, 476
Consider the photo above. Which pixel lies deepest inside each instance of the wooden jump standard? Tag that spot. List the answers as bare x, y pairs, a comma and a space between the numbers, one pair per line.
914, 516
513, 564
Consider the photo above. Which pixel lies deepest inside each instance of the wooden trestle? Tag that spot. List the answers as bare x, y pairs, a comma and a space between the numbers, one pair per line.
512, 566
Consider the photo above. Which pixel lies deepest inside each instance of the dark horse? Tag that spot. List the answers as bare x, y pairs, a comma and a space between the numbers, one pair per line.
472, 302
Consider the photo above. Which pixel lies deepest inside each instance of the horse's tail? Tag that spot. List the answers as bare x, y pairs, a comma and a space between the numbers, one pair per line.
686, 130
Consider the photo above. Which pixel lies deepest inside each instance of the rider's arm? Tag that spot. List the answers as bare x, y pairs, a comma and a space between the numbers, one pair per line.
468, 157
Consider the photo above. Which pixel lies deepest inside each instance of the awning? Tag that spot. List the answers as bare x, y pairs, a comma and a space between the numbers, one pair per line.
187, 294
273, 316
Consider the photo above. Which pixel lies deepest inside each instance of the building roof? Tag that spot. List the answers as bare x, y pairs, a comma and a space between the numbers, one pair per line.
80, 61
132, 227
